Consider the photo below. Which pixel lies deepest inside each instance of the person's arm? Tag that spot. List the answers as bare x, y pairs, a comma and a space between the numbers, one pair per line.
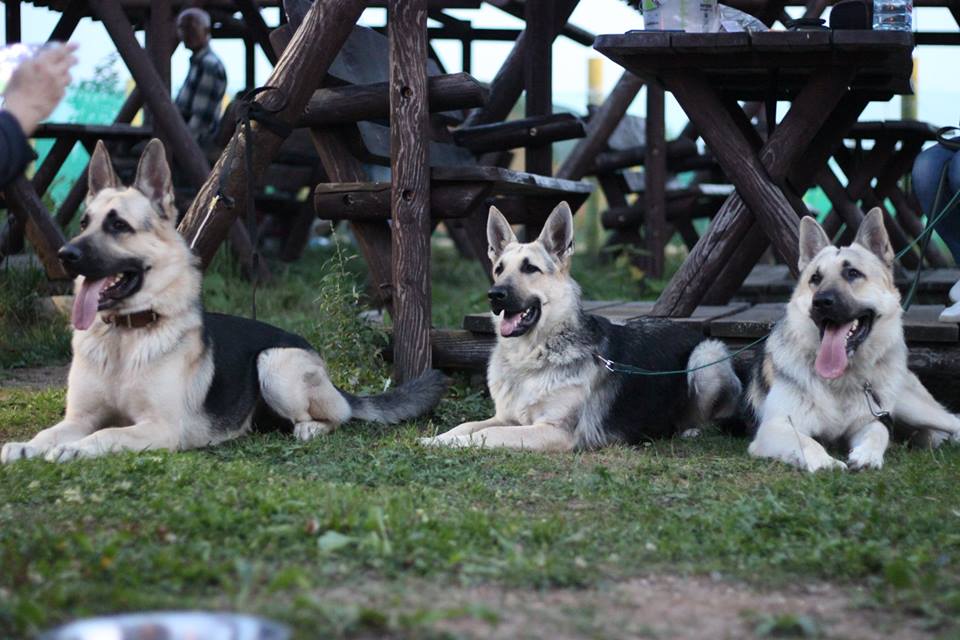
33, 92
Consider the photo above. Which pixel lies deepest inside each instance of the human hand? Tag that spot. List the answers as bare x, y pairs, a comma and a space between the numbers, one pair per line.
38, 85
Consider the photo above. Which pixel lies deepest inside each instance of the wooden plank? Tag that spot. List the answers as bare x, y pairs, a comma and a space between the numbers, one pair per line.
720, 43
483, 322
600, 127
67, 24
255, 24
410, 187
161, 38
55, 158
753, 322
371, 201
921, 324
296, 75
785, 41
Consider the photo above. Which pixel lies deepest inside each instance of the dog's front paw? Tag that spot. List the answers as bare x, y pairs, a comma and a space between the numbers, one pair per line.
305, 431
822, 461
447, 441
13, 451
865, 458
69, 451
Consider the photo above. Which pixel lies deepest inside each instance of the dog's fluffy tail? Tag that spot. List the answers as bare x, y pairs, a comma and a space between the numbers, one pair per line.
409, 400
715, 389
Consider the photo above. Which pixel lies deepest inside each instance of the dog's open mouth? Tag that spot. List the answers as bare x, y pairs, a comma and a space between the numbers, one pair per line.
838, 342
517, 323
102, 294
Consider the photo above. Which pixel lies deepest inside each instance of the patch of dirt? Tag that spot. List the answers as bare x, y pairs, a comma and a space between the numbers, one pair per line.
35, 377
658, 606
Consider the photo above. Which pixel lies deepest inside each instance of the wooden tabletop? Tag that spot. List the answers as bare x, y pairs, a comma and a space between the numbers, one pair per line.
750, 65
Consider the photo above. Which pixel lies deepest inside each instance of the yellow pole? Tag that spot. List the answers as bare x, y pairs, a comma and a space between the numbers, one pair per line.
908, 104
592, 208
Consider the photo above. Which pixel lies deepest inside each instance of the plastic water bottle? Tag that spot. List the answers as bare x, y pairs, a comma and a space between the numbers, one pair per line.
893, 15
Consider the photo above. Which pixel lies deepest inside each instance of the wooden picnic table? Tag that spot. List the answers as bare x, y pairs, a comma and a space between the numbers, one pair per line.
829, 77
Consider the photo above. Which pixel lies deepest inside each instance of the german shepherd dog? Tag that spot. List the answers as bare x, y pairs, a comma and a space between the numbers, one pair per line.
837, 363
151, 369
551, 389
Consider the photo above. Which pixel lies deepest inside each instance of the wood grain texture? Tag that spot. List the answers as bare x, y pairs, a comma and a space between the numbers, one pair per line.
297, 74
538, 77
258, 28
410, 187
526, 132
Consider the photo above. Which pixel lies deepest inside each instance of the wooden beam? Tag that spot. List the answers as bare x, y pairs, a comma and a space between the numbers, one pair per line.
655, 180
532, 132
254, 22
12, 15
43, 234
161, 38
600, 126
352, 103
538, 77
410, 177
299, 70
67, 24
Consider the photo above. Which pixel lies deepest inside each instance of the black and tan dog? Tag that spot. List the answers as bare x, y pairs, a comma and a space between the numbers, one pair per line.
151, 369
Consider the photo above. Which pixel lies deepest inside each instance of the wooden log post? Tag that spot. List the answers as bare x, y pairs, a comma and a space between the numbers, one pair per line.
257, 27
12, 16
538, 78
297, 74
600, 127
655, 181
410, 177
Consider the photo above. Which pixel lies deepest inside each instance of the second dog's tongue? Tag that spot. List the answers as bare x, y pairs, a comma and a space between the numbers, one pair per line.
85, 302
509, 324
832, 356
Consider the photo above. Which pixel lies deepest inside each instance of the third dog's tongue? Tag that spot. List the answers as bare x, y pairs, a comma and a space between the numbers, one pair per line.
832, 356
509, 324
85, 302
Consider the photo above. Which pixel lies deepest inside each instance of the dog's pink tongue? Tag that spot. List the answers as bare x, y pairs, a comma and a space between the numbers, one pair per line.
509, 324
832, 356
85, 302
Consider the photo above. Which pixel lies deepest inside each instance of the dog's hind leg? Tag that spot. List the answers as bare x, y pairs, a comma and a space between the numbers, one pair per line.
464, 429
295, 384
777, 438
713, 385
917, 408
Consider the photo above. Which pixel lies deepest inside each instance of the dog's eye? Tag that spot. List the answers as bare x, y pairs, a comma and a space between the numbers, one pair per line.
526, 267
119, 225
499, 269
84, 222
851, 274
816, 279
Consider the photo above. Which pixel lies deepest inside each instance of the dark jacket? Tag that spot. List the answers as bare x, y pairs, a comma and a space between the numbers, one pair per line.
15, 151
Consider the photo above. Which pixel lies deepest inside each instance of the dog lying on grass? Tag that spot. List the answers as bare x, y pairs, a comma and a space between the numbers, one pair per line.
151, 369
838, 360
551, 389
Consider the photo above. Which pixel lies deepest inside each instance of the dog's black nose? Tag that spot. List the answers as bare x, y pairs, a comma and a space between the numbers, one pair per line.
69, 254
824, 300
497, 294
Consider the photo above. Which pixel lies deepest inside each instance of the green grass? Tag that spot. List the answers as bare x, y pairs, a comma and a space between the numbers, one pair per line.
338, 537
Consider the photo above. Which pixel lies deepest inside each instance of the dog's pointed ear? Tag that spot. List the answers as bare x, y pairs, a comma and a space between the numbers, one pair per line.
153, 178
499, 234
557, 234
872, 234
101, 175
812, 241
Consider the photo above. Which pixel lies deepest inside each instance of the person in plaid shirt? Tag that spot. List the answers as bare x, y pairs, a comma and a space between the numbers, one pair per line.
199, 98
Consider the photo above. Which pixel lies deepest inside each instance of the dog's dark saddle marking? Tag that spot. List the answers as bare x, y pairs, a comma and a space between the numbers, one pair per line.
237, 343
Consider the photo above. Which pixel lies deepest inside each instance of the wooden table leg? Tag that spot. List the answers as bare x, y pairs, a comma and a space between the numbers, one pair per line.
41, 231
810, 111
410, 188
655, 181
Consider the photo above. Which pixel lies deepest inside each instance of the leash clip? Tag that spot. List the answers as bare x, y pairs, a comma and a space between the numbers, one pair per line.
606, 363
873, 404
